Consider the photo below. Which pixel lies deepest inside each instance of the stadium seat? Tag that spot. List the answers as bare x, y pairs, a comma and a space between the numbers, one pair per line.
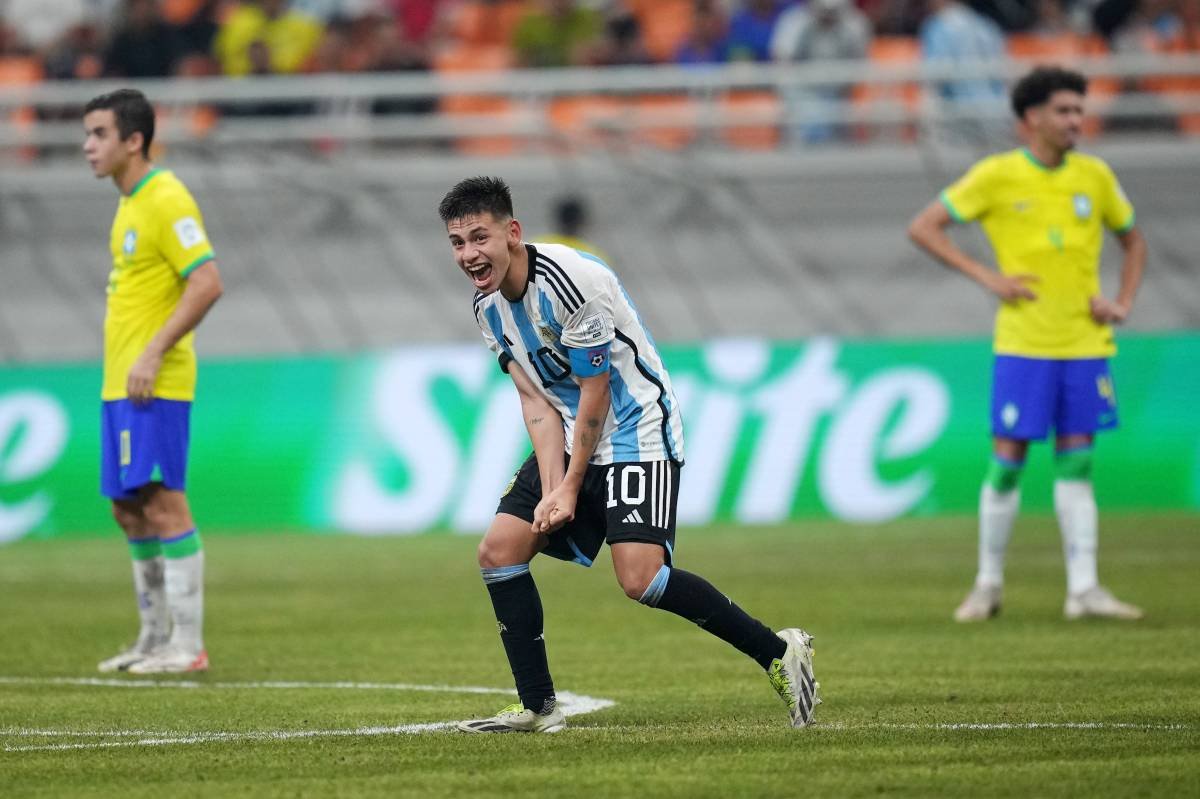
474, 108
1180, 91
757, 105
481, 23
665, 121
20, 71
890, 51
579, 120
665, 25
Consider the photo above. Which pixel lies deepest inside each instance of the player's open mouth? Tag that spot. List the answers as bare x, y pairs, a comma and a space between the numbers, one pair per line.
480, 275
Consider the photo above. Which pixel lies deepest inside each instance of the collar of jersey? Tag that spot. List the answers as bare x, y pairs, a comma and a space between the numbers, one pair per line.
1033, 160
153, 171
532, 253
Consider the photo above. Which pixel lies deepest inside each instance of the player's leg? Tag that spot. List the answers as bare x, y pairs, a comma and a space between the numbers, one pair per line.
146, 554
504, 556
1087, 404
161, 475
122, 459
168, 513
640, 499
1021, 389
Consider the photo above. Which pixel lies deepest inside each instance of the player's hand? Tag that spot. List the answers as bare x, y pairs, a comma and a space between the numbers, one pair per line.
1010, 288
1107, 312
139, 385
556, 509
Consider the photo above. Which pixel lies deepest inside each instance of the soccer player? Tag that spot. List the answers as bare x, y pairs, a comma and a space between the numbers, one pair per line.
1044, 208
164, 279
591, 385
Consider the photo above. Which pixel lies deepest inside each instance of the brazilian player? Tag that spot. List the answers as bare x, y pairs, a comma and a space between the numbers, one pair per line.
1044, 209
607, 453
164, 280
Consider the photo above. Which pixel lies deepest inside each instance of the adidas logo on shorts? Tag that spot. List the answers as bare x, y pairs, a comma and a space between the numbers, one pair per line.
634, 518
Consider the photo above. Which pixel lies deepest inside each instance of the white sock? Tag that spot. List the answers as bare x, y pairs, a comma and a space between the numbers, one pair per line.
1078, 520
152, 602
185, 597
996, 514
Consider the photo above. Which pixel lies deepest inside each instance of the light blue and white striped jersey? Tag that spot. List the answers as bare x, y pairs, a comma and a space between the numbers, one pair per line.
574, 319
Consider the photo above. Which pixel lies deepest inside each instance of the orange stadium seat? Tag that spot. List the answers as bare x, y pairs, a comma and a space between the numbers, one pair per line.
762, 136
891, 50
477, 22
477, 58
665, 25
581, 118
666, 121
20, 71
1178, 90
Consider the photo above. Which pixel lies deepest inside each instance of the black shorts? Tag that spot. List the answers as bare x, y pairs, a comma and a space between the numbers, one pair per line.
618, 502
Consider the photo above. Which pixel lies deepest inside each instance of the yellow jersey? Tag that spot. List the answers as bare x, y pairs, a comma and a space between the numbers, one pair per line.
157, 240
1049, 223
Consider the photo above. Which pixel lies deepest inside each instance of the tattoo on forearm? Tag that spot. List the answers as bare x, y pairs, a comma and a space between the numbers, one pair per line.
537, 420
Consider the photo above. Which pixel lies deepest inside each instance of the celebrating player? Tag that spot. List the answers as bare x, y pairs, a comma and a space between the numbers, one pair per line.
591, 385
164, 280
1044, 208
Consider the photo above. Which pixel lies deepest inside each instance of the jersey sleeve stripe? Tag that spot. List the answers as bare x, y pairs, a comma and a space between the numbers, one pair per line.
1128, 226
660, 401
553, 283
954, 214
201, 261
562, 273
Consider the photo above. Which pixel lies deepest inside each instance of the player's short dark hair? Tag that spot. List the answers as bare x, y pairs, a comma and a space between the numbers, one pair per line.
132, 112
475, 196
1036, 88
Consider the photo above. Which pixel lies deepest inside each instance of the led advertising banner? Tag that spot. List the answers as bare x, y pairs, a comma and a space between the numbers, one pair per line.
425, 439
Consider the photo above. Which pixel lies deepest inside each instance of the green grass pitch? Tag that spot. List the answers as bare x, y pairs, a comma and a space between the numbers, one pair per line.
915, 705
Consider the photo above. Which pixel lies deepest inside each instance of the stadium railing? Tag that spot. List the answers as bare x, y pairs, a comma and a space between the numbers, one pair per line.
739, 106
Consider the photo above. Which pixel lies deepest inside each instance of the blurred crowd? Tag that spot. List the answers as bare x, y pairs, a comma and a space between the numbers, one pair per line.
64, 39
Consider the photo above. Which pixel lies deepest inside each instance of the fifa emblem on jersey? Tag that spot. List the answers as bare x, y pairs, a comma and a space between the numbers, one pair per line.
130, 242
1009, 415
1083, 205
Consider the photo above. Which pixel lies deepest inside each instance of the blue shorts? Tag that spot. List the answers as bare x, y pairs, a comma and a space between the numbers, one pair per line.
142, 444
1032, 395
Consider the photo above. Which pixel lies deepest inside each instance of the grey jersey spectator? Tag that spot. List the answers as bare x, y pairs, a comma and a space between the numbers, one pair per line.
821, 30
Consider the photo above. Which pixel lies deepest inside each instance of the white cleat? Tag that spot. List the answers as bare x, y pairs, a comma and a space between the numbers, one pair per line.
980, 605
1098, 602
141, 650
516, 718
792, 676
171, 660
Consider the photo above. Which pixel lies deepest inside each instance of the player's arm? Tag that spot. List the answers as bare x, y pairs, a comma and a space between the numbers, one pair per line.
201, 292
545, 427
558, 507
1106, 311
928, 231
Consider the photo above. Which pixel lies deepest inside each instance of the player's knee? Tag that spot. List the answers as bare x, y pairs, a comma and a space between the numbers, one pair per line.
130, 521
493, 555
634, 582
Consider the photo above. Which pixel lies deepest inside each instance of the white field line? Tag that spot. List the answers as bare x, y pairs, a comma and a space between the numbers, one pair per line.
572, 704
956, 726
102, 682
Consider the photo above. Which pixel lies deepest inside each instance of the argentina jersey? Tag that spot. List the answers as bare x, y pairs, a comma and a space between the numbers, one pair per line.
573, 319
